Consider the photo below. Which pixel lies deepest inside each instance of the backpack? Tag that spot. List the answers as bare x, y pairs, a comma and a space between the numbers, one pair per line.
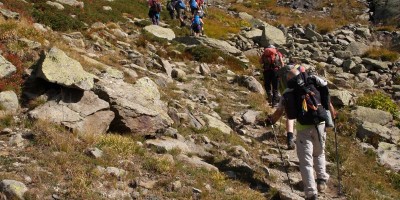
272, 59
307, 100
170, 6
196, 20
156, 7
193, 4
181, 5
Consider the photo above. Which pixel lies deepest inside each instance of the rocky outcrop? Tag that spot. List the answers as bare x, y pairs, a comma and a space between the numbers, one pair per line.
9, 102
160, 32
6, 68
341, 97
82, 111
373, 133
138, 107
213, 122
58, 68
363, 114
220, 44
389, 156
13, 189
272, 36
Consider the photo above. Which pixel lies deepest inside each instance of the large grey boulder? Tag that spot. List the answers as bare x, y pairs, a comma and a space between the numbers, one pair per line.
138, 107
272, 36
213, 122
74, 3
9, 101
6, 68
389, 156
371, 115
375, 64
373, 133
13, 189
311, 34
160, 32
220, 45
254, 34
341, 97
252, 84
357, 48
82, 111
8, 14
58, 68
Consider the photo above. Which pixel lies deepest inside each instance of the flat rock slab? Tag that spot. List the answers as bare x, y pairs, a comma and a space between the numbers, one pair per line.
213, 122
160, 32
58, 68
389, 156
220, 45
196, 162
6, 68
168, 144
371, 115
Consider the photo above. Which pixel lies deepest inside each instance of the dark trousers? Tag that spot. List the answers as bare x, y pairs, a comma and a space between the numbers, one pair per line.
271, 78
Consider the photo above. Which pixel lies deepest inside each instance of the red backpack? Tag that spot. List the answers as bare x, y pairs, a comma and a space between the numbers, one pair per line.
272, 59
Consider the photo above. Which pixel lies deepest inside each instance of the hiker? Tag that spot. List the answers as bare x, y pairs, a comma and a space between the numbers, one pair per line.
171, 8
194, 7
154, 11
302, 101
271, 60
197, 24
180, 8
322, 87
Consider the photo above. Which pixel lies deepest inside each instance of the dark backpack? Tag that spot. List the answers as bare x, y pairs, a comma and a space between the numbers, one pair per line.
158, 7
180, 4
170, 6
307, 100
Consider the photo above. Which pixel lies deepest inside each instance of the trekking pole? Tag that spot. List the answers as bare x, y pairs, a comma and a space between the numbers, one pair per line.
337, 159
283, 161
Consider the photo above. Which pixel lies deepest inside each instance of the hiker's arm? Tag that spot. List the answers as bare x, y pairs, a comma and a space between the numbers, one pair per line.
276, 115
332, 110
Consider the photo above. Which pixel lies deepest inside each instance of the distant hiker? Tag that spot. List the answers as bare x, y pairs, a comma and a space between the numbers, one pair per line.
271, 60
302, 101
154, 11
180, 8
194, 7
197, 24
171, 8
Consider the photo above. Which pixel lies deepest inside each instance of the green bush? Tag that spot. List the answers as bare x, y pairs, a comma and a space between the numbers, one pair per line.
55, 19
379, 100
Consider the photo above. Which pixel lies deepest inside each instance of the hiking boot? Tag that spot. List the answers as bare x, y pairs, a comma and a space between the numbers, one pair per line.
321, 185
290, 141
312, 198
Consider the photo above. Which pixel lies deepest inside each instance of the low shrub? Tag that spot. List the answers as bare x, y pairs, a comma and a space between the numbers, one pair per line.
379, 100
382, 54
16, 80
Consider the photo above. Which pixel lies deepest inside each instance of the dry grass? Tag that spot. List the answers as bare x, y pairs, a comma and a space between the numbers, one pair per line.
219, 25
382, 54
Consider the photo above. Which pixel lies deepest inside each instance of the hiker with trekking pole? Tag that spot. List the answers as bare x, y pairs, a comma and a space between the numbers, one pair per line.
301, 101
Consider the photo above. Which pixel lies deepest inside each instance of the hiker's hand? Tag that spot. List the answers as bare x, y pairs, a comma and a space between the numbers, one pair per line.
269, 121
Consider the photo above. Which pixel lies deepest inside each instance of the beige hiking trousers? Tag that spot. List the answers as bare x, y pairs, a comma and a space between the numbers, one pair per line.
311, 157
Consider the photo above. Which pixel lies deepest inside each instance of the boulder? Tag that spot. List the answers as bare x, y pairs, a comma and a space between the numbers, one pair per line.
196, 162
204, 69
250, 116
58, 68
363, 114
373, 133
165, 144
220, 45
389, 156
9, 101
310, 34
213, 122
13, 189
357, 48
73, 3
160, 32
272, 36
6, 68
178, 74
375, 64
138, 107
364, 32
82, 111
166, 67
8, 14
341, 97
55, 4
252, 84
254, 34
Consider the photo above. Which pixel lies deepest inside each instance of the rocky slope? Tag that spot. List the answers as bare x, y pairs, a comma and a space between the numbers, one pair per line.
127, 110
